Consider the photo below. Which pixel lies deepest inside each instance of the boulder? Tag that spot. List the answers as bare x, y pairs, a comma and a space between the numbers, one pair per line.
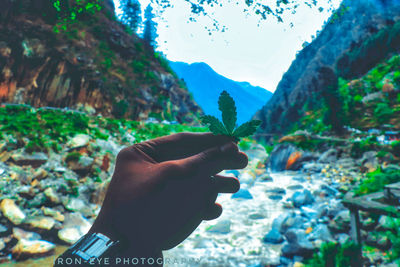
279, 157
298, 244
321, 232
75, 226
329, 156
25, 249
11, 211
302, 198
79, 140
273, 237
35, 159
286, 221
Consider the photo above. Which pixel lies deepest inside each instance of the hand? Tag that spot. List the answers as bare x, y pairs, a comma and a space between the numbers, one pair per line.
162, 189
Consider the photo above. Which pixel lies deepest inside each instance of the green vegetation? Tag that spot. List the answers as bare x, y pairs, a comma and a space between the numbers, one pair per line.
376, 180
73, 156
47, 129
227, 106
335, 255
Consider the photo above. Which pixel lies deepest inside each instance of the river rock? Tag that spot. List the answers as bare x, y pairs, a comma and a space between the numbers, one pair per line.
52, 196
79, 140
329, 156
297, 244
11, 211
82, 166
243, 194
341, 222
370, 161
55, 214
75, 226
32, 248
275, 197
19, 234
302, 198
273, 237
222, 227
265, 178
321, 232
279, 157
35, 159
40, 174
276, 190
286, 221
41, 223
330, 191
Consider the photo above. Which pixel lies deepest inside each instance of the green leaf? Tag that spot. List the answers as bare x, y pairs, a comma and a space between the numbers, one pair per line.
215, 126
246, 129
226, 105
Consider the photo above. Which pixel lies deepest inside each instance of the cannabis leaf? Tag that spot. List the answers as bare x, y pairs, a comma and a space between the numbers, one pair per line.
227, 106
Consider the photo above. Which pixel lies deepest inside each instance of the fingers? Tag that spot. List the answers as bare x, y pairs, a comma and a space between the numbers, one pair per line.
212, 212
225, 184
212, 161
181, 145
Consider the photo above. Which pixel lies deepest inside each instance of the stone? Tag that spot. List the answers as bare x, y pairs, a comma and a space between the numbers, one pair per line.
256, 216
273, 237
35, 159
329, 156
243, 194
265, 178
11, 211
55, 214
275, 197
246, 177
41, 223
79, 140
341, 222
276, 190
2, 245
302, 198
308, 212
222, 227
77, 204
82, 166
298, 244
329, 190
51, 195
19, 234
286, 221
342, 238
75, 226
25, 249
40, 174
370, 161
279, 157
321, 232
295, 187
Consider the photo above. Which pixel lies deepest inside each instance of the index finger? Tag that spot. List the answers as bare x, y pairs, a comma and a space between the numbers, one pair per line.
181, 145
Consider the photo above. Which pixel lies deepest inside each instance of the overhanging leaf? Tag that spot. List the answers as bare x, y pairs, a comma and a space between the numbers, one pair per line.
246, 129
227, 106
215, 126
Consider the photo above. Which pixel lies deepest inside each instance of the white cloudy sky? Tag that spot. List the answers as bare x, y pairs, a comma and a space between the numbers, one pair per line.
245, 52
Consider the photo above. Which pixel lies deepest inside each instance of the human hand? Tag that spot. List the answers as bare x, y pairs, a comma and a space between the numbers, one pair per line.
162, 189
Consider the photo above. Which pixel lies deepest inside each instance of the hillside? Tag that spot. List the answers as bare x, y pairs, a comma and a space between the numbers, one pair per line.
206, 85
75, 54
357, 37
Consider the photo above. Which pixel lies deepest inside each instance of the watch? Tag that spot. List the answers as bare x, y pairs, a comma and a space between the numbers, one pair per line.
88, 250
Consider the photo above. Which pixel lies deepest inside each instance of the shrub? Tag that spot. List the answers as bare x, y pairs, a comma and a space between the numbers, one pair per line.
383, 112
376, 180
335, 255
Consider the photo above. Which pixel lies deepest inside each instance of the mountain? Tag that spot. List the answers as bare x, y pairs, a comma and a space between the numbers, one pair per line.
358, 36
76, 54
206, 85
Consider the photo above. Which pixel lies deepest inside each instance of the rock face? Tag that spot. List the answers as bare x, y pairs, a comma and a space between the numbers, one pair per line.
317, 65
96, 66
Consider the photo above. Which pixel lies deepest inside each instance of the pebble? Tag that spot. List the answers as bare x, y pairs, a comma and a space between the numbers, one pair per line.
273, 237
243, 193
79, 140
222, 227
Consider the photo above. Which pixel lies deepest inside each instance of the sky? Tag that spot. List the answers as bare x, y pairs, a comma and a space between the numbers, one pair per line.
258, 52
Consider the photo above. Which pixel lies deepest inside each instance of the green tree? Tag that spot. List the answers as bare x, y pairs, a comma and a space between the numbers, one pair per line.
150, 27
131, 14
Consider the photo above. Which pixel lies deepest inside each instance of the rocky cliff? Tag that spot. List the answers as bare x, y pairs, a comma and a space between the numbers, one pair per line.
357, 36
88, 59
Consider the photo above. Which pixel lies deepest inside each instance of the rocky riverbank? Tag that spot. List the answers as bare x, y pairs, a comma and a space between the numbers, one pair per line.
288, 206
